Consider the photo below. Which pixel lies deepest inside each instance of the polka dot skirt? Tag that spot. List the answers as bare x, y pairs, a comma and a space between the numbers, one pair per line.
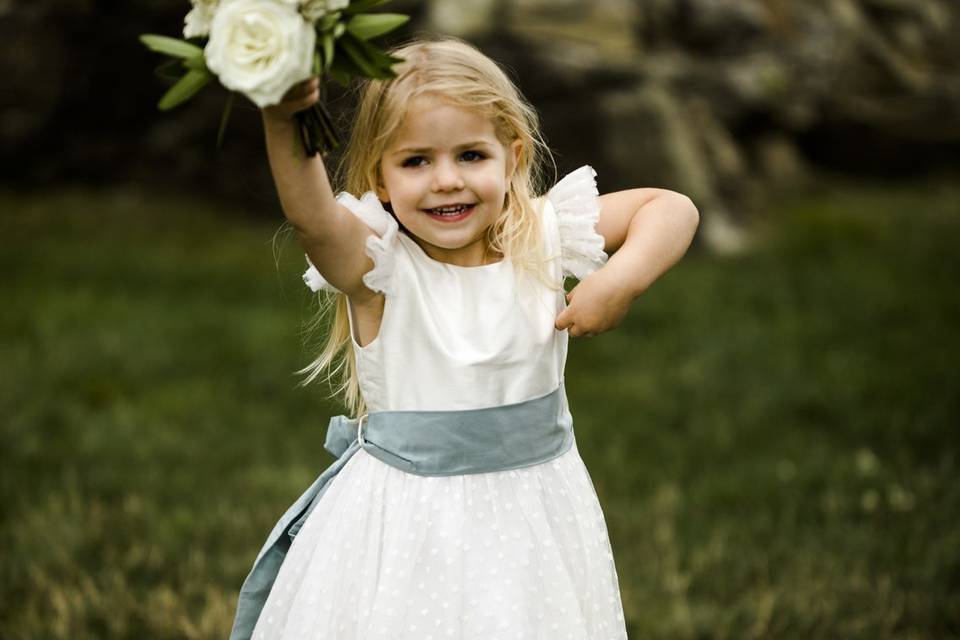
520, 554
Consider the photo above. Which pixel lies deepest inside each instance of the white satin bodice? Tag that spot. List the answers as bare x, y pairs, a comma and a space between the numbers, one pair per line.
453, 337
456, 337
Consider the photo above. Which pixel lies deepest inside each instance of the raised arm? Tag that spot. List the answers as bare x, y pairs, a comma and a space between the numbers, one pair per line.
330, 234
647, 231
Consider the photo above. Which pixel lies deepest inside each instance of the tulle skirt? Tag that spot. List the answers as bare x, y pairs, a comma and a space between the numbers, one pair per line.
509, 554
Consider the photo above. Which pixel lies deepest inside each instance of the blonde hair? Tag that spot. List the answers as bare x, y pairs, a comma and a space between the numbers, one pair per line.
460, 74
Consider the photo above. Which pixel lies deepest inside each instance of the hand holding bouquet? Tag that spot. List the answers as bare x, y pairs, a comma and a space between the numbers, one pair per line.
262, 48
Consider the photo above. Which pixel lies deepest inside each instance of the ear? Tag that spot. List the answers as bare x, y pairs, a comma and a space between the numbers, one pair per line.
513, 157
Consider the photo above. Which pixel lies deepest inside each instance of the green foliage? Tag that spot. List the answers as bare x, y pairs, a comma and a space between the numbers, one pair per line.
171, 46
368, 26
327, 43
185, 88
186, 57
772, 436
368, 59
362, 6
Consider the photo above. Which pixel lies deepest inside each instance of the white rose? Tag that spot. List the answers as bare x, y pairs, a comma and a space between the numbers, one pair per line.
197, 22
313, 10
260, 48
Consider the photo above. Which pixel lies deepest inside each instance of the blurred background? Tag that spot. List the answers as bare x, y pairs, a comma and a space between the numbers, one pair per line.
773, 432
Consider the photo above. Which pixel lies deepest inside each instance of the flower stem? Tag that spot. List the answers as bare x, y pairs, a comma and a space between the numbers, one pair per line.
317, 131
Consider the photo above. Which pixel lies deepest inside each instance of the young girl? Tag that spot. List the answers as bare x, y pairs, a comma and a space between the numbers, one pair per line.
459, 506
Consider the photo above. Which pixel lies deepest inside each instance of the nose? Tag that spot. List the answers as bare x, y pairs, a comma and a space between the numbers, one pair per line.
446, 176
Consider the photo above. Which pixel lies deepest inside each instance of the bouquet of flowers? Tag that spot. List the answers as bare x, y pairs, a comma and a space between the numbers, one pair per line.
261, 48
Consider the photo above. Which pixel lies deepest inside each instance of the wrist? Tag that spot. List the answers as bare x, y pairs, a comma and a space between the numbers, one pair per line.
626, 281
274, 120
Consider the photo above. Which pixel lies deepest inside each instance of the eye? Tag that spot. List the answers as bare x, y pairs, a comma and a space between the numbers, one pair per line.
472, 156
414, 161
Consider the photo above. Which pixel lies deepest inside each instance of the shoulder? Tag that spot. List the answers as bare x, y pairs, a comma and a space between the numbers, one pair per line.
380, 245
573, 206
577, 187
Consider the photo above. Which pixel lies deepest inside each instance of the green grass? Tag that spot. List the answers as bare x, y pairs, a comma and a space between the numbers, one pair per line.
773, 436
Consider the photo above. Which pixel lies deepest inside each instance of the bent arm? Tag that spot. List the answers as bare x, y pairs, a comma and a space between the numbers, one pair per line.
647, 231
330, 234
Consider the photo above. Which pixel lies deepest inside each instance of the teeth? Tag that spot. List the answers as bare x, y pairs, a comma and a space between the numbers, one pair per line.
449, 211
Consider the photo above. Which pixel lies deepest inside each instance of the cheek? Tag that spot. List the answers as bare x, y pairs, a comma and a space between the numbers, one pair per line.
394, 186
405, 194
498, 186
492, 182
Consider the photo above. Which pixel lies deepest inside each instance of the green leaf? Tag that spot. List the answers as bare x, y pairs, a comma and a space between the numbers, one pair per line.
370, 25
197, 62
328, 21
371, 61
191, 82
377, 57
362, 6
351, 46
171, 46
344, 67
339, 76
171, 69
327, 43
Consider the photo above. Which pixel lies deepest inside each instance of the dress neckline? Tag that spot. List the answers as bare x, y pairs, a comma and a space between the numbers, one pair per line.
426, 258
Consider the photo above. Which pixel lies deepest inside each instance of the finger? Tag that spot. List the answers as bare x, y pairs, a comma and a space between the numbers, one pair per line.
294, 92
303, 89
308, 86
563, 321
307, 90
312, 97
306, 102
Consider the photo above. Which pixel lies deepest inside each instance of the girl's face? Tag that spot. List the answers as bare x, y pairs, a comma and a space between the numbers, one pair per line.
446, 174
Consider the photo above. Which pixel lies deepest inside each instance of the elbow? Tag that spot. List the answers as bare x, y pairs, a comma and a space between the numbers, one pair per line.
693, 213
307, 233
686, 210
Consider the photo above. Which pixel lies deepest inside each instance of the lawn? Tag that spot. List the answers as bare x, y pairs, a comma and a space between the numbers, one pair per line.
773, 436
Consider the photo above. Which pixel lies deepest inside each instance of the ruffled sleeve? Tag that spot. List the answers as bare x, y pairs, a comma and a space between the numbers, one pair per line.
380, 246
577, 204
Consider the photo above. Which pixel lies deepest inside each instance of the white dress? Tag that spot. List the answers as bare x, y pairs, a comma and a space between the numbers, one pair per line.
511, 554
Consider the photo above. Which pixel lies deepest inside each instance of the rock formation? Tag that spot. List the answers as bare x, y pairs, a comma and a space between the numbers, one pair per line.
721, 99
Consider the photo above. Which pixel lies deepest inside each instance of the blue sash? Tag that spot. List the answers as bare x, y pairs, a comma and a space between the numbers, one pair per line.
426, 443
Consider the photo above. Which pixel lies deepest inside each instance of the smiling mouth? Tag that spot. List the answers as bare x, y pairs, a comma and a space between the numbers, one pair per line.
451, 212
